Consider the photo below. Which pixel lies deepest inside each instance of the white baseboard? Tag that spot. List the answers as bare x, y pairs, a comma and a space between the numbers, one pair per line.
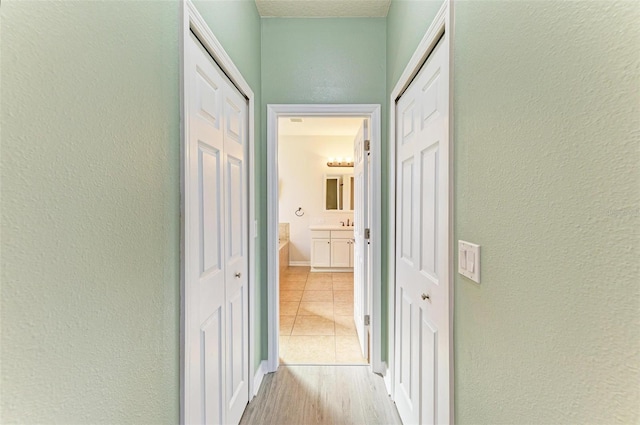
332, 270
257, 379
299, 263
387, 377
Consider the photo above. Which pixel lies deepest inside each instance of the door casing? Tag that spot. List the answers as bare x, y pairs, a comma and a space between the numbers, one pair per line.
192, 21
442, 22
371, 111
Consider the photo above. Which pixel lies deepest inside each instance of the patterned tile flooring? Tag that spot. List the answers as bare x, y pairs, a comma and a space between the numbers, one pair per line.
316, 318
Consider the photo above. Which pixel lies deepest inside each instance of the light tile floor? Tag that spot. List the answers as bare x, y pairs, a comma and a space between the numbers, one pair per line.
316, 318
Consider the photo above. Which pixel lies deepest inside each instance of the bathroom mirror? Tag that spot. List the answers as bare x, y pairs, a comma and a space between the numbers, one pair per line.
338, 192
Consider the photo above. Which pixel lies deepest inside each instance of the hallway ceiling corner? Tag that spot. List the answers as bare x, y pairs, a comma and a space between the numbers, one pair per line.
323, 8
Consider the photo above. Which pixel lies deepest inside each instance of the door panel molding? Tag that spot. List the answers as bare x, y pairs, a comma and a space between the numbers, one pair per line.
442, 24
371, 111
211, 107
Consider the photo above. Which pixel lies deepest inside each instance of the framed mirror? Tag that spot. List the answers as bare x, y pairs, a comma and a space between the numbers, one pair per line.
338, 192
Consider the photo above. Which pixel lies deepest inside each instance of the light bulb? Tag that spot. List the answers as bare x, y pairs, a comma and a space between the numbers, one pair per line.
330, 159
339, 160
349, 159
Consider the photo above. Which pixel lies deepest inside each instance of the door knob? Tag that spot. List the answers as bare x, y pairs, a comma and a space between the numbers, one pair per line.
426, 297
238, 275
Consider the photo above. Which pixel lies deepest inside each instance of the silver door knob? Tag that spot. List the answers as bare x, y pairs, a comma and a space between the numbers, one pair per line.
238, 275
426, 296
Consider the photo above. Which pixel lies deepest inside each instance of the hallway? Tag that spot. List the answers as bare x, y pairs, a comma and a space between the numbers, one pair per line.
543, 121
320, 395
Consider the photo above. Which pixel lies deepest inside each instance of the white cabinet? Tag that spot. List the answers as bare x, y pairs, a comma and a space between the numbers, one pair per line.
321, 252
331, 249
341, 253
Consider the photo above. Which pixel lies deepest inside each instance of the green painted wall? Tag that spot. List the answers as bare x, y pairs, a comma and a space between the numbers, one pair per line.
225, 17
90, 212
90, 205
323, 60
407, 22
329, 60
547, 98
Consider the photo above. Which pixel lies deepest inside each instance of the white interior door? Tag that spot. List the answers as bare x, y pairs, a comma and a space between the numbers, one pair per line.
236, 253
361, 247
422, 247
216, 304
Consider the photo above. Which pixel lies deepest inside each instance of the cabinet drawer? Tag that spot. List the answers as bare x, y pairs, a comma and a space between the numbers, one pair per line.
315, 234
342, 234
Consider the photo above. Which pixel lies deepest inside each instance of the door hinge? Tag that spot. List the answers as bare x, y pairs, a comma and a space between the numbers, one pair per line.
367, 320
367, 145
367, 233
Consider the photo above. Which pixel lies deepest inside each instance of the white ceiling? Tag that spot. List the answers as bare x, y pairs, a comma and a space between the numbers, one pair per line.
319, 126
323, 8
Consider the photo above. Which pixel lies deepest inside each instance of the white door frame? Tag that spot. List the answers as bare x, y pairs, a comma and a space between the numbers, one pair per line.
273, 113
442, 22
193, 21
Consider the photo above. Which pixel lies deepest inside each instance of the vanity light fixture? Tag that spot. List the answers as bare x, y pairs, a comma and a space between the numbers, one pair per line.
340, 162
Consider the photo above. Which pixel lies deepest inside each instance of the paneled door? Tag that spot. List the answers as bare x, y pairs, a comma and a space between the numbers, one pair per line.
422, 222
216, 266
361, 247
236, 253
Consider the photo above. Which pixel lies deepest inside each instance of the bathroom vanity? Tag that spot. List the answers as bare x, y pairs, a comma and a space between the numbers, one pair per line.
331, 248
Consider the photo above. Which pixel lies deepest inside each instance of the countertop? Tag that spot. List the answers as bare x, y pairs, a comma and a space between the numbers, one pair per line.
330, 227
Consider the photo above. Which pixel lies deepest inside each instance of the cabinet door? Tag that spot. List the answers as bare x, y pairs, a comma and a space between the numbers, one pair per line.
321, 252
340, 252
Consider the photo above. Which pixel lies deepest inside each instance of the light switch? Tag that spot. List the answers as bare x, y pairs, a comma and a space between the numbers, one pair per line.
469, 260
462, 258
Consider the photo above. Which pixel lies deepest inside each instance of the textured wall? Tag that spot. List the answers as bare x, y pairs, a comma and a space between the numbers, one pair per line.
407, 22
547, 104
339, 60
90, 205
330, 60
547, 122
90, 212
225, 17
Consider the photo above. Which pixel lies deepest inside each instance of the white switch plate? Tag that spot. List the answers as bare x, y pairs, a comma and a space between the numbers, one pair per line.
469, 260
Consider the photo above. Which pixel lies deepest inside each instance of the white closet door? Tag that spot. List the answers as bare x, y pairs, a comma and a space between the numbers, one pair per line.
360, 248
216, 326
236, 250
422, 292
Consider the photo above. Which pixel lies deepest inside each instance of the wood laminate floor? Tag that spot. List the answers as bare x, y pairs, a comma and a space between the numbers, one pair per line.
319, 395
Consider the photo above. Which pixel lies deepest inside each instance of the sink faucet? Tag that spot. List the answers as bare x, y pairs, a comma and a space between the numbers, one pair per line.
342, 223
347, 222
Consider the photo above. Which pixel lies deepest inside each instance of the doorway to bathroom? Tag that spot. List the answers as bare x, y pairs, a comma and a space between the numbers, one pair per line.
323, 234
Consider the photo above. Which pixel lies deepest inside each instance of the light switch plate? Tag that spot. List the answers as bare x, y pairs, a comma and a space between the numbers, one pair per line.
469, 260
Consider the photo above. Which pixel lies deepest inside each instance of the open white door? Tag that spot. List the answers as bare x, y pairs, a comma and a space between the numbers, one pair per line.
361, 243
216, 260
422, 380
